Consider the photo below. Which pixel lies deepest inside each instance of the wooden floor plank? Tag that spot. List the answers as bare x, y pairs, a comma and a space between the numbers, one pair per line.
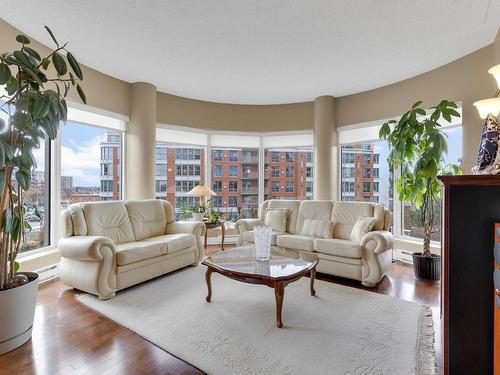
69, 338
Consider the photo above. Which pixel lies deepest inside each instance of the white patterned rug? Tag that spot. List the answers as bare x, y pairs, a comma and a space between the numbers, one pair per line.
340, 331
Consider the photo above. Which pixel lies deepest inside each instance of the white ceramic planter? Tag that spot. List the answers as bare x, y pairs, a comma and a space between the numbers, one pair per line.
17, 311
198, 216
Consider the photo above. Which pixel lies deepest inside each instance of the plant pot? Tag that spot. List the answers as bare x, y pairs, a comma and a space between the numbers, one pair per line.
198, 216
427, 268
17, 311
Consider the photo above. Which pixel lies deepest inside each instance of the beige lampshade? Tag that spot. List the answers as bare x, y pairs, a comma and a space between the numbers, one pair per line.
488, 106
201, 191
495, 72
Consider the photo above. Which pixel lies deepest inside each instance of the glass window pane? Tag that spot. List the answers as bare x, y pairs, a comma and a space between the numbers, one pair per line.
412, 225
288, 173
179, 168
90, 164
37, 201
235, 179
363, 178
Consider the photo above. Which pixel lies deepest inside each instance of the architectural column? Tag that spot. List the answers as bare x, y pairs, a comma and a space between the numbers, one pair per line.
141, 142
325, 149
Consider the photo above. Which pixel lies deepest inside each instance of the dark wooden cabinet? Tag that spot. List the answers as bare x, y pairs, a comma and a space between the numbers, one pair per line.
471, 206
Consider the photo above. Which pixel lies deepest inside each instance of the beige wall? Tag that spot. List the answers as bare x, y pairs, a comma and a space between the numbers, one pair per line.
102, 91
176, 110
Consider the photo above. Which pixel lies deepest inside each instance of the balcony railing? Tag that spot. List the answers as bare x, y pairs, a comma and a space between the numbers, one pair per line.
250, 175
250, 191
250, 160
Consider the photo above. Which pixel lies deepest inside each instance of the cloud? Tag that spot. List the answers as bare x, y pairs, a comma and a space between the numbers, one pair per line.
82, 161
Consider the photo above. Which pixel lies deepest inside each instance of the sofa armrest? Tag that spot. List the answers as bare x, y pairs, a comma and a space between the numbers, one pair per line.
86, 248
378, 241
196, 228
243, 225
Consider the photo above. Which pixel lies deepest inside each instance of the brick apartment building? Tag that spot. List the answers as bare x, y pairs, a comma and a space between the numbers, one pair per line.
360, 173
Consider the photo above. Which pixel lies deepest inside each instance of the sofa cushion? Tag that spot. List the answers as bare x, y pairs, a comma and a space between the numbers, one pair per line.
132, 252
362, 226
334, 246
78, 219
248, 236
276, 219
296, 241
173, 242
317, 228
345, 214
108, 219
292, 206
147, 217
313, 210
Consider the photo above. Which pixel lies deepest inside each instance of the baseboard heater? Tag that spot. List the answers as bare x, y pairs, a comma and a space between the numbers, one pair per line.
47, 274
403, 256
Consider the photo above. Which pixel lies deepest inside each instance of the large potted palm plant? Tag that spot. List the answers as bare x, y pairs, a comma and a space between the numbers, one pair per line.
417, 148
34, 105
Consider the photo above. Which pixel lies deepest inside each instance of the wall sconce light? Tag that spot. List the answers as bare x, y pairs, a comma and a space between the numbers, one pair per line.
495, 72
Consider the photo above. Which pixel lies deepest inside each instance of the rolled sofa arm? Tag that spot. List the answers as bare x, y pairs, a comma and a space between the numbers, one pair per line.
88, 263
378, 241
85, 248
243, 225
195, 228
376, 258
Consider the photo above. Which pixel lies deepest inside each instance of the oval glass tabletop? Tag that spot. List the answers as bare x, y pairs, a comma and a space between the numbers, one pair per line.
283, 263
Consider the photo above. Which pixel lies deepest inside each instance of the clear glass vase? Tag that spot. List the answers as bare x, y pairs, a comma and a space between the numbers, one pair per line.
262, 237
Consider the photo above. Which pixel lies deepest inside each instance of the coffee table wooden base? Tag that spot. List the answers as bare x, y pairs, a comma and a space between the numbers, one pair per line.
278, 285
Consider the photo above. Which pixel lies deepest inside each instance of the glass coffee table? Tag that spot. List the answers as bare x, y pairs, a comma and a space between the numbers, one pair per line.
284, 267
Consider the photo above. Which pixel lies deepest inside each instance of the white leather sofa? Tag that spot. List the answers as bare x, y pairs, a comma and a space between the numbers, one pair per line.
109, 246
365, 259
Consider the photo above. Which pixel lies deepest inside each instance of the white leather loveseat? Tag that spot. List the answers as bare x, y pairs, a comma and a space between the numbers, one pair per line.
109, 246
327, 229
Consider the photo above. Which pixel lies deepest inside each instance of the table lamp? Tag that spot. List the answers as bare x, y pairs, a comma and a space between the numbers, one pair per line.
201, 191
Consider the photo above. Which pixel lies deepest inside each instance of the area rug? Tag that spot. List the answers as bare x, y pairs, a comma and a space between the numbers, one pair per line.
341, 330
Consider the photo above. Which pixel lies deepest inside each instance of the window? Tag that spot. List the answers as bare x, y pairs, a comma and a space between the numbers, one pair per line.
233, 201
161, 170
353, 188
90, 164
217, 170
217, 155
309, 172
233, 155
239, 182
161, 153
37, 202
291, 169
411, 225
233, 186
217, 202
233, 171
376, 158
161, 186
217, 186
178, 170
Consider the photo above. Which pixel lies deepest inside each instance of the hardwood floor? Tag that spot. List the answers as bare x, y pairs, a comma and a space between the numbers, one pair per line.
69, 338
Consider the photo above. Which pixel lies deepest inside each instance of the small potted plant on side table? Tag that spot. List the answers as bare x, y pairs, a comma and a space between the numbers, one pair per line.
198, 212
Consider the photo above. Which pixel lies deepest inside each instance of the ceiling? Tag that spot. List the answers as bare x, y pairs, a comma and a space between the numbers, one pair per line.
261, 51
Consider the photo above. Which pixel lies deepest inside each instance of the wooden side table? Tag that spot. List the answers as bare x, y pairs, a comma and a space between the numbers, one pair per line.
212, 226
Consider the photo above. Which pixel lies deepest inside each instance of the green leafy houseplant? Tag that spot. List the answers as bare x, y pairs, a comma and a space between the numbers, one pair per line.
35, 105
417, 147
